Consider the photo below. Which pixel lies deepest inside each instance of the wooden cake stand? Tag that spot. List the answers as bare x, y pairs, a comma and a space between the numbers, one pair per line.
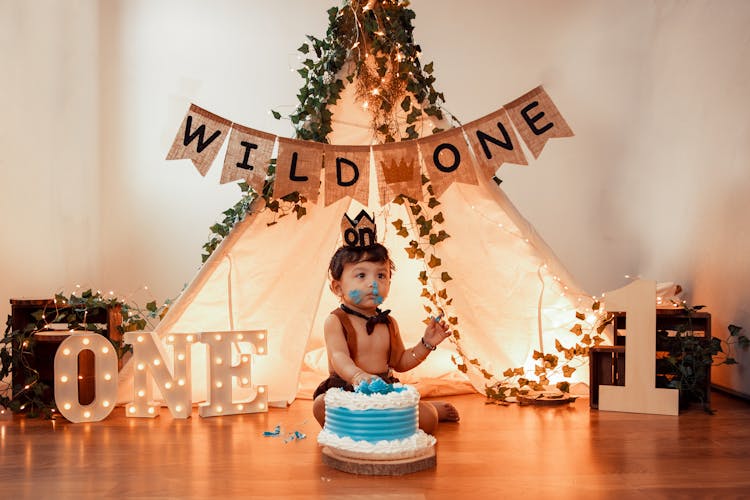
423, 461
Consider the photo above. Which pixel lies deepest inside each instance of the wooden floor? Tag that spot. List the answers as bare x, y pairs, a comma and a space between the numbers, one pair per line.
494, 452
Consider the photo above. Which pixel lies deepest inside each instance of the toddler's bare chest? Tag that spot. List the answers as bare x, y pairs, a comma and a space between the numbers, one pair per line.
377, 344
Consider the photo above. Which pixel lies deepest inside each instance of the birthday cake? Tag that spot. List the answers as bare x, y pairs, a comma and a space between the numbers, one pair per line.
378, 421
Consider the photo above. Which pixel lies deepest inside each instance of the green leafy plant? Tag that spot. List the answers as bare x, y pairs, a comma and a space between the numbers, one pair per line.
691, 358
27, 392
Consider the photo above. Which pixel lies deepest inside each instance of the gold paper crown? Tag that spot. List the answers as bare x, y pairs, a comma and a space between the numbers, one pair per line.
359, 232
398, 172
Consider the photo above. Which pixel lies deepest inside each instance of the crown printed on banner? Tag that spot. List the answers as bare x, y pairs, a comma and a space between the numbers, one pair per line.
360, 232
398, 172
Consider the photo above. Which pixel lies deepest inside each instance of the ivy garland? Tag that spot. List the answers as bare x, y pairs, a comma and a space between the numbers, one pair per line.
370, 44
17, 346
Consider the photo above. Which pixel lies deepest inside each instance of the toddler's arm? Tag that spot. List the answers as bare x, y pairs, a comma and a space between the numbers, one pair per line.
436, 332
338, 353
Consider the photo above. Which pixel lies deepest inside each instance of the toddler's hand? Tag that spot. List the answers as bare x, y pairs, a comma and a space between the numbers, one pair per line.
363, 376
436, 331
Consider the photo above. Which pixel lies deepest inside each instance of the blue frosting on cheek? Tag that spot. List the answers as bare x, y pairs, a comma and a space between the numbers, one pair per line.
376, 293
355, 296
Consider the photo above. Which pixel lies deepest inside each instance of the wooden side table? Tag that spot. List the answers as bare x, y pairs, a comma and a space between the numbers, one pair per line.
46, 343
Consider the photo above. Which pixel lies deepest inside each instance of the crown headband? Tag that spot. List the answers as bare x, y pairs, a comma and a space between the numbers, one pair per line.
360, 232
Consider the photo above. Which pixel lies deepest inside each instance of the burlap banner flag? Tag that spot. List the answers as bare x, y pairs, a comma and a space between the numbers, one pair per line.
494, 142
298, 168
537, 119
446, 159
200, 137
347, 173
398, 169
248, 156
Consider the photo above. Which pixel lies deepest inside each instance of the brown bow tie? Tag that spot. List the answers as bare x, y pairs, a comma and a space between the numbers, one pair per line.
380, 317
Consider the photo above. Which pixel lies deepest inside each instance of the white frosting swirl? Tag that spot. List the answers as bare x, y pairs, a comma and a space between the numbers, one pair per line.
382, 450
406, 398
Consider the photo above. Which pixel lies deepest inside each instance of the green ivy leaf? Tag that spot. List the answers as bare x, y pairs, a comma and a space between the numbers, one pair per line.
406, 103
276, 114
304, 48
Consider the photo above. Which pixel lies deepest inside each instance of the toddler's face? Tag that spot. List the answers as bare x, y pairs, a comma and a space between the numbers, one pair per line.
363, 285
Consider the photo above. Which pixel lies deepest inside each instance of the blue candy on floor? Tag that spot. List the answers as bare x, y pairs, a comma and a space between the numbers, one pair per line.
274, 433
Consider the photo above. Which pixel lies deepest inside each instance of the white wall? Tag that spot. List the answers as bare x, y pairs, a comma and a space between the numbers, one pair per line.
49, 147
655, 183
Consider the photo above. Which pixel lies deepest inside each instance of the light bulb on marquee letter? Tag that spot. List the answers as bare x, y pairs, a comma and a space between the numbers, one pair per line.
174, 386
66, 377
222, 372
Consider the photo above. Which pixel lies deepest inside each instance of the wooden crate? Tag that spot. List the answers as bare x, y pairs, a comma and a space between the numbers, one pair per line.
607, 363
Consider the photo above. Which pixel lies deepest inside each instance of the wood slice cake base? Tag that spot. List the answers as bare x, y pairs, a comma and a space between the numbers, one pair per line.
423, 461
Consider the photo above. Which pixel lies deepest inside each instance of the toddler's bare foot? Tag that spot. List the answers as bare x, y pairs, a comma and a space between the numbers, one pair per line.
446, 411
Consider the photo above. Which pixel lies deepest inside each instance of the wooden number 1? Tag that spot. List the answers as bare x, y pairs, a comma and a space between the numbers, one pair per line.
639, 395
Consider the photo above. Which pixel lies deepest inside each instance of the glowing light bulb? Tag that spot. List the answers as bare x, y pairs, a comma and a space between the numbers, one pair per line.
240, 337
219, 384
168, 385
151, 410
141, 393
64, 379
105, 350
261, 406
178, 408
189, 338
107, 376
105, 404
245, 380
245, 359
240, 407
86, 341
67, 406
170, 338
261, 336
140, 338
217, 337
181, 382
219, 361
131, 409
141, 366
261, 389
261, 350
157, 362
181, 357
219, 409
87, 414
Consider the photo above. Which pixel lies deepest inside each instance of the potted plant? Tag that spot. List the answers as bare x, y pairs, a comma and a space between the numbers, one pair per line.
691, 357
